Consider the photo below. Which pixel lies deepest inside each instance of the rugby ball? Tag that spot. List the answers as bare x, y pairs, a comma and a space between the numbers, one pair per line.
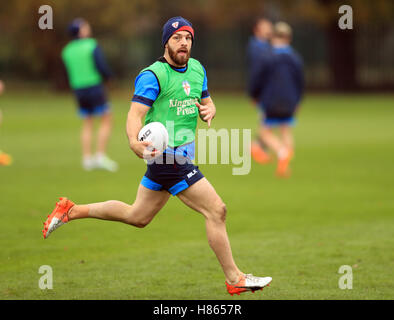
156, 133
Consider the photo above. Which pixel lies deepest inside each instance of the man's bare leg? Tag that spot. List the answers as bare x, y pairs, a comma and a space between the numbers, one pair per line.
102, 161
104, 132
86, 142
257, 152
86, 136
286, 133
280, 148
203, 198
272, 141
147, 204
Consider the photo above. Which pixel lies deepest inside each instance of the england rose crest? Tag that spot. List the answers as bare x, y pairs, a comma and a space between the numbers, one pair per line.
186, 87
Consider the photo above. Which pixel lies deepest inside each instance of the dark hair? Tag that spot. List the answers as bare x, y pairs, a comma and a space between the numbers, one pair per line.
74, 26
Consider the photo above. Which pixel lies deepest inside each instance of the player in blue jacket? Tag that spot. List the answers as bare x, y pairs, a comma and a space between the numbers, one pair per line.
258, 55
280, 96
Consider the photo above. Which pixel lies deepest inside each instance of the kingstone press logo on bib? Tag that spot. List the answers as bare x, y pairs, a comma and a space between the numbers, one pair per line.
184, 107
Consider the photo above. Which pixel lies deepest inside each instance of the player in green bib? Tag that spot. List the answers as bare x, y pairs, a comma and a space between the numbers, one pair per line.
87, 70
173, 91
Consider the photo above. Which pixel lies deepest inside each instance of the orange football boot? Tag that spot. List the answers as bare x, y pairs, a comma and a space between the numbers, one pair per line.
258, 154
248, 282
58, 217
5, 159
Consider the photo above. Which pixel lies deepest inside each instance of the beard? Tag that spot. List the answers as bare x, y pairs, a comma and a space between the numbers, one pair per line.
178, 59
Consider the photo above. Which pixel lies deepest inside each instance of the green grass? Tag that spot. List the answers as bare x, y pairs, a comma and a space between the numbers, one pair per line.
336, 209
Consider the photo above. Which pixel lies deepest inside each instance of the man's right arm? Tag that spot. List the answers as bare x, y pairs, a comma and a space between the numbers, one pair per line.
145, 93
135, 116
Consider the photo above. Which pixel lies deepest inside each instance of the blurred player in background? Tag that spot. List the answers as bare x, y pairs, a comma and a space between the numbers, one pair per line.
87, 70
5, 159
258, 56
173, 77
280, 96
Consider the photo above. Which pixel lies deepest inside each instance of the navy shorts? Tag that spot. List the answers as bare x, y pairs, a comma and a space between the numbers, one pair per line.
92, 101
273, 122
279, 114
171, 173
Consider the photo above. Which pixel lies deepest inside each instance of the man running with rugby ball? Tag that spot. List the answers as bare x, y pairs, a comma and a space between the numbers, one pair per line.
158, 89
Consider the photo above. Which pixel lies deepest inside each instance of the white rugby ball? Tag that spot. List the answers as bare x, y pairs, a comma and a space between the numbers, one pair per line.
156, 133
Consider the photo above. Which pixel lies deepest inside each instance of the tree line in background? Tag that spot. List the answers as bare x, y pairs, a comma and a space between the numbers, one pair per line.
130, 33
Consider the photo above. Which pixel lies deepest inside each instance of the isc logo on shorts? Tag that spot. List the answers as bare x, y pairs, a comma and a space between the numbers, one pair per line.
191, 174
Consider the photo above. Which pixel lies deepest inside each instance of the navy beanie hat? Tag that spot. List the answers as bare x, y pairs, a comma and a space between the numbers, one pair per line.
176, 24
73, 27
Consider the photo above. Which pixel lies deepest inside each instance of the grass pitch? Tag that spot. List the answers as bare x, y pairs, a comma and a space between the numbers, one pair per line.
336, 209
